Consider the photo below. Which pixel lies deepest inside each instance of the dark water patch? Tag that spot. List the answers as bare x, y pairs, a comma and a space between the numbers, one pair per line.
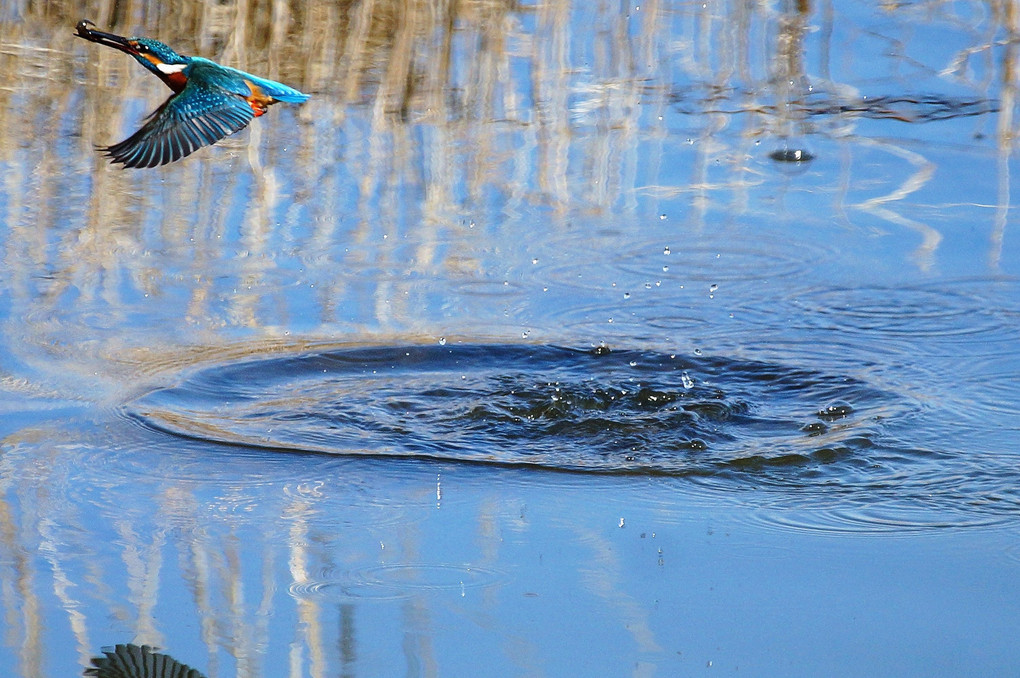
909, 108
615, 411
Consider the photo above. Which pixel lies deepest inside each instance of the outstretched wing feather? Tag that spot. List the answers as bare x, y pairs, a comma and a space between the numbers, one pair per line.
187, 121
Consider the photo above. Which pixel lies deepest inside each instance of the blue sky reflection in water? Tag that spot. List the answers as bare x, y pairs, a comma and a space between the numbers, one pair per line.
251, 400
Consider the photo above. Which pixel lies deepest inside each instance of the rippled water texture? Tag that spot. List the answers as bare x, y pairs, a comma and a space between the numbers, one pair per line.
830, 445
597, 409
556, 339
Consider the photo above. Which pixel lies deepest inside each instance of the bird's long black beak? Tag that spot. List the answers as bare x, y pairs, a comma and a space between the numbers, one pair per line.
84, 30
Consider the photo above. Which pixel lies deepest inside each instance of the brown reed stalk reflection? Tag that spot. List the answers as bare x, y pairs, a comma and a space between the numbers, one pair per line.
425, 110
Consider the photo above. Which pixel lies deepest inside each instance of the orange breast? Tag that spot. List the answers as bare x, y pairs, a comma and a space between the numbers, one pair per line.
176, 81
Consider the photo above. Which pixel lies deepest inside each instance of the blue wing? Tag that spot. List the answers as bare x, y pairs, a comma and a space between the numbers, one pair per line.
197, 116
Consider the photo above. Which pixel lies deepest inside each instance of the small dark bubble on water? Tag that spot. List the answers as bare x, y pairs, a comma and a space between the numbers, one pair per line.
792, 155
814, 428
835, 411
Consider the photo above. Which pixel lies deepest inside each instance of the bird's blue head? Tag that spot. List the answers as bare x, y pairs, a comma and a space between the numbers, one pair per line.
152, 54
156, 56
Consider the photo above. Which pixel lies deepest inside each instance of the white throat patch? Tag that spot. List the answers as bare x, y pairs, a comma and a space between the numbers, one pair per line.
171, 68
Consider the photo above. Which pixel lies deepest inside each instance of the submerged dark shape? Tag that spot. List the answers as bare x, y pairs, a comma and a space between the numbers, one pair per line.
138, 661
209, 102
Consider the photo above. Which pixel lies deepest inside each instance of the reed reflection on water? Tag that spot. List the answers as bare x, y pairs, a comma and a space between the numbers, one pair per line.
432, 126
551, 172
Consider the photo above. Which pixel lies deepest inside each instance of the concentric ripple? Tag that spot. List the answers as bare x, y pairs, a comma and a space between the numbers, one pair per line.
395, 581
897, 313
597, 410
722, 261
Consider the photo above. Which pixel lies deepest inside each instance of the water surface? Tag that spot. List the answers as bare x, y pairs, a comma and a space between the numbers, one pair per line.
546, 339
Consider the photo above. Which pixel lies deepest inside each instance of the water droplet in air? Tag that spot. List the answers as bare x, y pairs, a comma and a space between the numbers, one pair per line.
626, 295
666, 250
442, 341
686, 379
665, 269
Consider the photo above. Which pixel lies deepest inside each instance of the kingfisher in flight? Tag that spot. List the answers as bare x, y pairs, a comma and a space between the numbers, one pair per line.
209, 101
